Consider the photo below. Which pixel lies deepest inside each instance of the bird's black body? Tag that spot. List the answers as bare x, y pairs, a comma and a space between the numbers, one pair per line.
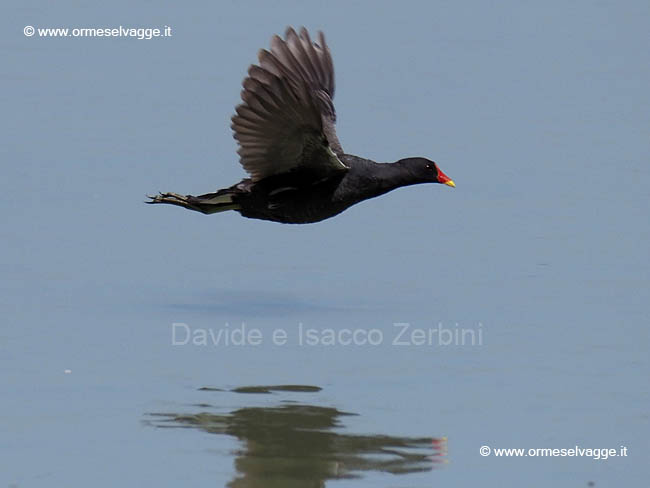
288, 144
301, 198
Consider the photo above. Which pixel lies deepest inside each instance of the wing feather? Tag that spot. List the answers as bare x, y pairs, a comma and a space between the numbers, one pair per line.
287, 117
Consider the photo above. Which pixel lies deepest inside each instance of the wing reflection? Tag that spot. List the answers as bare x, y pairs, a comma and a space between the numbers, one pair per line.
291, 445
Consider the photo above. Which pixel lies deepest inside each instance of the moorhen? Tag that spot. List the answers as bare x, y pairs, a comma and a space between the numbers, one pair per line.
298, 170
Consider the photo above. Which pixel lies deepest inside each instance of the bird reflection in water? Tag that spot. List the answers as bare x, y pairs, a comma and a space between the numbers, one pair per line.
300, 445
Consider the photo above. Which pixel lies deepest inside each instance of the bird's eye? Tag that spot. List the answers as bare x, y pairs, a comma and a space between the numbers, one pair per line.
429, 166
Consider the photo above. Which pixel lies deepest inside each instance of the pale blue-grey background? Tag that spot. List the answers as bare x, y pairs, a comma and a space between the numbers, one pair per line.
538, 111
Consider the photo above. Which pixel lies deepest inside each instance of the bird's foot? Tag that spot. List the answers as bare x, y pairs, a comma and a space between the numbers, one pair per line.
173, 198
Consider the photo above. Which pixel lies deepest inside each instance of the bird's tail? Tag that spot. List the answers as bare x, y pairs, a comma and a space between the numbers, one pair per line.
208, 204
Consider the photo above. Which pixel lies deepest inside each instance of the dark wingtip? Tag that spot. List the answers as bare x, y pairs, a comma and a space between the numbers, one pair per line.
289, 31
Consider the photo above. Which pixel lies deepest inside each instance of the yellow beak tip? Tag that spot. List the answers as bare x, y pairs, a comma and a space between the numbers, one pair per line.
450, 183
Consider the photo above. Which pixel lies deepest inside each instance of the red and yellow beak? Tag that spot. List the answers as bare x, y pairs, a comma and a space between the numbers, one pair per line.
445, 180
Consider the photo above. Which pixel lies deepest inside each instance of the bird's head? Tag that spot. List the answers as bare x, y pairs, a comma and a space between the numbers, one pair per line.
427, 171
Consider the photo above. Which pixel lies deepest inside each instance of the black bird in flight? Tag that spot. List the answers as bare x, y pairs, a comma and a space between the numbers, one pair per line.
286, 132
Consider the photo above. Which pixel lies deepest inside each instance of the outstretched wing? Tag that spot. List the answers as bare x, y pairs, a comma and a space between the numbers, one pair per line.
287, 117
